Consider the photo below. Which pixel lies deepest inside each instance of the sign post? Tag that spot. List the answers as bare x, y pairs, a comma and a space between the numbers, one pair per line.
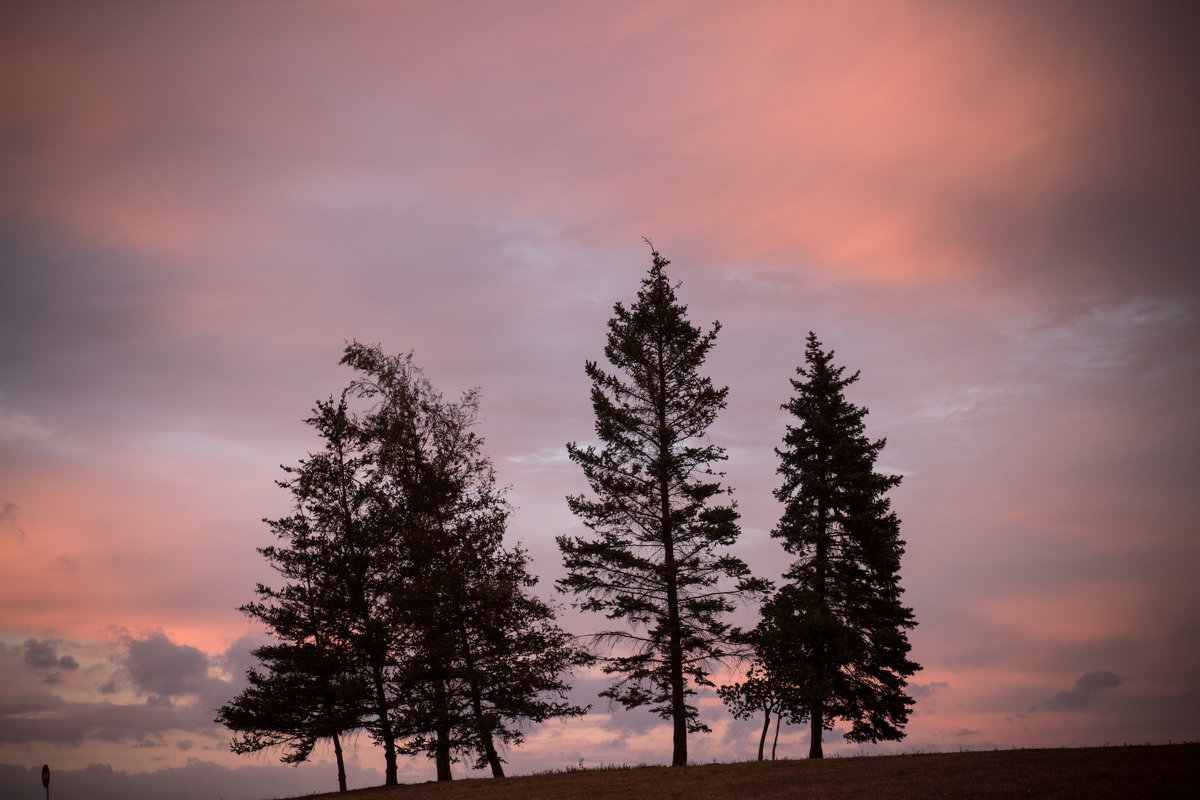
46, 779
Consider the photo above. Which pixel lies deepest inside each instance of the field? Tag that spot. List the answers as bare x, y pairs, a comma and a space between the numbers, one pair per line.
1164, 771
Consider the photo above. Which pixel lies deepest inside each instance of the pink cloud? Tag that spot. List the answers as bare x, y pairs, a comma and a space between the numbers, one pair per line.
839, 138
987, 208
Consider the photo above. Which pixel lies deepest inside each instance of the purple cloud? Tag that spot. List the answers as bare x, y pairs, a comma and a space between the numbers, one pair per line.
1087, 689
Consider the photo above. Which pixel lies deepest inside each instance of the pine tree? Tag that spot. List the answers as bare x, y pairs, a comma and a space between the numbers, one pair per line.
402, 612
443, 508
327, 672
477, 655
840, 628
656, 562
302, 695
513, 657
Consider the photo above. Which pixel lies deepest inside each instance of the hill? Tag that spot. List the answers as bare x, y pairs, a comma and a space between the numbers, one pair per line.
1163, 771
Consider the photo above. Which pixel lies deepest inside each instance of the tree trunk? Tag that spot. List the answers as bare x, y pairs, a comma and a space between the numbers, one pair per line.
678, 699
818, 726
341, 764
493, 757
674, 628
674, 645
762, 740
376, 658
385, 728
442, 722
778, 725
818, 709
482, 728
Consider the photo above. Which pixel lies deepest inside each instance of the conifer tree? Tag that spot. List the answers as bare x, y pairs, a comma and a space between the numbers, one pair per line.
838, 626
478, 657
327, 673
656, 562
302, 694
513, 657
402, 612
442, 503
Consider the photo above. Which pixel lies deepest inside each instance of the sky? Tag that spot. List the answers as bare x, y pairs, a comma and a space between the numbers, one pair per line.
991, 210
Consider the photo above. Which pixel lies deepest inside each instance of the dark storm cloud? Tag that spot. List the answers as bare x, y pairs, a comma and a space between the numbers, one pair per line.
43, 655
63, 722
160, 668
179, 695
1087, 688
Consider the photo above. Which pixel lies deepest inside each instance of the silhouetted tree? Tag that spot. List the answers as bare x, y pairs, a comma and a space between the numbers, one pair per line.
757, 692
478, 656
303, 695
402, 612
656, 561
837, 629
329, 616
513, 656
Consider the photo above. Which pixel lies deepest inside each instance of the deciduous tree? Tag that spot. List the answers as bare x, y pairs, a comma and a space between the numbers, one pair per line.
756, 693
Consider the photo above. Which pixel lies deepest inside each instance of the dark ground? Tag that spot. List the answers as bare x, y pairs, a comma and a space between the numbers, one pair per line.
1161, 771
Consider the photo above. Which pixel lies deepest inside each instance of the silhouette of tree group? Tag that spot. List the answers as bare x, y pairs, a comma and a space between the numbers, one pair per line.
402, 611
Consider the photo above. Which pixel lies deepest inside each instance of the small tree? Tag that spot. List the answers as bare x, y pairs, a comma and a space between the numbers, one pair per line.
656, 562
302, 696
756, 693
513, 657
840, 629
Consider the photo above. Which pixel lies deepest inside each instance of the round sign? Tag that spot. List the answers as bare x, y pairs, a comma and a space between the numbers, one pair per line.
46, 775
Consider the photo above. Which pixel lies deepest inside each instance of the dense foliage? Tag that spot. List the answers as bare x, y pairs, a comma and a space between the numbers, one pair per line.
834, 637
402, 611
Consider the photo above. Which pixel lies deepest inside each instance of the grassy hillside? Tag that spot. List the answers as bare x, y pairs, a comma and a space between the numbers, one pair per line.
1167, 771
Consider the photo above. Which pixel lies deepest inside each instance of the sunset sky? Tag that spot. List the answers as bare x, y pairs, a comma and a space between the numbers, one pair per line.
990, 209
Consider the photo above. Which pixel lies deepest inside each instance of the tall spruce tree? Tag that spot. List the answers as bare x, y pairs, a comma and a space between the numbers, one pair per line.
424, 454
657, 561
839, 628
